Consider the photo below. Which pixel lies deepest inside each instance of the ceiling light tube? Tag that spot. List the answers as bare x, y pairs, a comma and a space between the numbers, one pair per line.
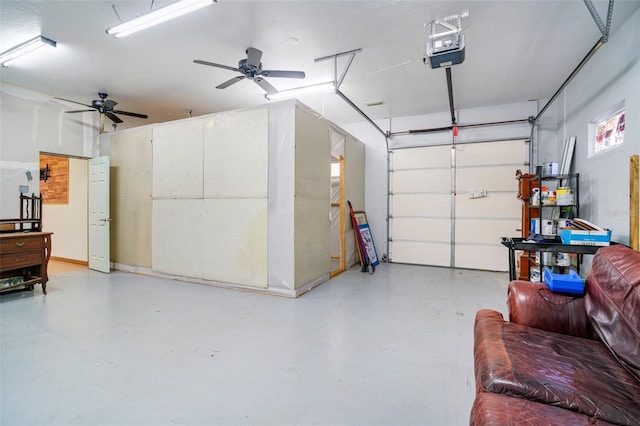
291, 93
24, 48
157, 16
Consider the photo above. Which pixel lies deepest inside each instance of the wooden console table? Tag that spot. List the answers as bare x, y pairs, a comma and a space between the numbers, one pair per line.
25, 256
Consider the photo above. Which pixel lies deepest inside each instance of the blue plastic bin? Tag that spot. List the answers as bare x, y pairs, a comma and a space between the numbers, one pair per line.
570, 283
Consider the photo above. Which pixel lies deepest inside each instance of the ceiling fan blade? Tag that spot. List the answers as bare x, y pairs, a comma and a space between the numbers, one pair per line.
265, 85
80, 110
230, 82
109, 104
285, 74
253, 57
212, 64
112, 117
73, 102
131, 114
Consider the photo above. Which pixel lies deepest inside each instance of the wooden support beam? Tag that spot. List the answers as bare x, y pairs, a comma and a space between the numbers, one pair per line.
634, 202
343, 207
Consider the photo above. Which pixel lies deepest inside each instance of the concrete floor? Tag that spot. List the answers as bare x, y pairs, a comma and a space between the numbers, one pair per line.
393, 348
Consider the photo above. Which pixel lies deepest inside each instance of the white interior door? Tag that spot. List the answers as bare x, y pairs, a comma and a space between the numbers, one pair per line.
99, 220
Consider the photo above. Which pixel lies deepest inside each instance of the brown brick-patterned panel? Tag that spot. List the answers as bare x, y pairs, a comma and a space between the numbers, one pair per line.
56, 189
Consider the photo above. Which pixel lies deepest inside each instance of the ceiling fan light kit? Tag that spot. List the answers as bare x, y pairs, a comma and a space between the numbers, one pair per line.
157, 16
23, 48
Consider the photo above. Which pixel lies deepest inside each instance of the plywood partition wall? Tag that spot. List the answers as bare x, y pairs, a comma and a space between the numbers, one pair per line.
312, 226
236, 199
210, 198
354, 158
130, 199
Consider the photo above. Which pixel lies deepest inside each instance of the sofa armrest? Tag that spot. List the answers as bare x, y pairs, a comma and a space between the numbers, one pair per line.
534, 305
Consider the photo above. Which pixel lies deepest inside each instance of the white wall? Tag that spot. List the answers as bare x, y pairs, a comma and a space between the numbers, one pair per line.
69, 222
30, 123
611, 75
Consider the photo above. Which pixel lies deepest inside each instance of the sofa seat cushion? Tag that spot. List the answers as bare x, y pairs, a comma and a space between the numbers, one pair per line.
494, 409
566, 371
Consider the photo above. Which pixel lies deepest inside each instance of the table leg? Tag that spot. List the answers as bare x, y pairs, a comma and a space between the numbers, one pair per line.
512, 264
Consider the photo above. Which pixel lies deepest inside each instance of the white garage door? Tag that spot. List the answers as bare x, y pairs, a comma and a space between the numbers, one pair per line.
435, 218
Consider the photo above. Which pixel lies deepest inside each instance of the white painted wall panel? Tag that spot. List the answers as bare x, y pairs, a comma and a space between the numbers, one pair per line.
177, 237
312, 227
131, 203
354, 192
236, 148
234, 241
177, 159
312, 237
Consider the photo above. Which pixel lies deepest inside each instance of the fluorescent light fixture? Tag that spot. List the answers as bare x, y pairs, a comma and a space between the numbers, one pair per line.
24, 48
291, 93
157, 16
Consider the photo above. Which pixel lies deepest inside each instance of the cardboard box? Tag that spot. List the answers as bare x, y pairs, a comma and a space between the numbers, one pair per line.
584, 233
577, 237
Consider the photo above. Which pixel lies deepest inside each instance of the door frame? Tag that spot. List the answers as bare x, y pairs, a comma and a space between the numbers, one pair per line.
341, 206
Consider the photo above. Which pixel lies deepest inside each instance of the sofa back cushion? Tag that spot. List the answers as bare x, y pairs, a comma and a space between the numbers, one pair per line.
612, 303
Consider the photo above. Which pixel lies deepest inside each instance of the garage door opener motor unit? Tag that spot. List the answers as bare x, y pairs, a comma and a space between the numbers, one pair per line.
445, 48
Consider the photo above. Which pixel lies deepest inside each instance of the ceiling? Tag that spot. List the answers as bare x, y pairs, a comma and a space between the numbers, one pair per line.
515, 51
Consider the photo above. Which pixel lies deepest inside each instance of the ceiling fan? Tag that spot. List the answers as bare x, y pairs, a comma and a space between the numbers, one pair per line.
104, 107
251, 68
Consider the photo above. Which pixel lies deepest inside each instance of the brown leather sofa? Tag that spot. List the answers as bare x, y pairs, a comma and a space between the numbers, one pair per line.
563, 360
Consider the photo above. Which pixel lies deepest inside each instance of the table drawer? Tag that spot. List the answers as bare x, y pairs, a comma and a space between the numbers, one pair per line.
20, 244
19, 260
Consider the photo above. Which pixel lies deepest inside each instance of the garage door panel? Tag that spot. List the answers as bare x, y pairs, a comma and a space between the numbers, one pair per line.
487, 207
484, 231
423, 180
493, 178
420, 253
470, 154
421, 229
437, 205
491, 258
420, 203
421, 157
